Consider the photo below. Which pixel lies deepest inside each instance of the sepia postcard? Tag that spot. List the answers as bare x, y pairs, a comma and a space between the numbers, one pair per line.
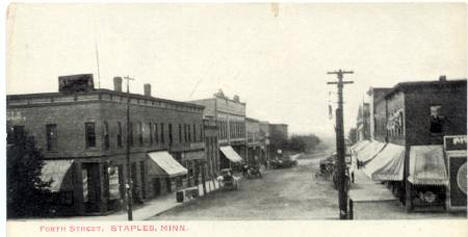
227, 119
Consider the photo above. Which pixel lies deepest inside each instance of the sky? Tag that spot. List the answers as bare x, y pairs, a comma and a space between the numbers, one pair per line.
274, 57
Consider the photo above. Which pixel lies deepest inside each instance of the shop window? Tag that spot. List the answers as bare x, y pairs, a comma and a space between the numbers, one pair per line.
119, 134
106, 136
436, 119
51, 131
179, 182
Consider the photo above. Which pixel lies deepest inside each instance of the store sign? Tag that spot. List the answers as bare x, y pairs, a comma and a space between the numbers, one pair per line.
114, 185
458, 186
454, 143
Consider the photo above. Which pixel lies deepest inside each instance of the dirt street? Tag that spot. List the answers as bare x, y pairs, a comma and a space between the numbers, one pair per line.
290, 193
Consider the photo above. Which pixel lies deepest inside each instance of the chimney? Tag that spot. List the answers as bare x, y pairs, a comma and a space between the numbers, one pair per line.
442, 78
236, 98
118, 84
147, 89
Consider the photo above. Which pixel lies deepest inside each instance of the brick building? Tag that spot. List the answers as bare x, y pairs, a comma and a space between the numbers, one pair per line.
229, 115
211, 146
412, 120
255, 146
82, 132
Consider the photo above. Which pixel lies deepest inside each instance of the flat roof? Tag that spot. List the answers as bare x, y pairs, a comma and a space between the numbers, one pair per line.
103, 91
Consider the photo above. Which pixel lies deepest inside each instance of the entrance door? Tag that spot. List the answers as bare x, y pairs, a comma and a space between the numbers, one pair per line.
91, 188
168, 185
156, 187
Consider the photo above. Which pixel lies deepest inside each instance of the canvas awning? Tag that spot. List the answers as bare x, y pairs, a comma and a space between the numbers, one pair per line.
388, 165
60, 173
232, 155
427, 165
359, 145
164, 165
368, 151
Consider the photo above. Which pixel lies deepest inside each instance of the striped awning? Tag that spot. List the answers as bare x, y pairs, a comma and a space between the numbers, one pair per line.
427, 165
388, 165
232, 155
359, 145
164, 165
368, 151
59, 173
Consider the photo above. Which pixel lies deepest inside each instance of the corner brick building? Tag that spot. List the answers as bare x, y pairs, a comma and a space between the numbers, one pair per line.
82, 133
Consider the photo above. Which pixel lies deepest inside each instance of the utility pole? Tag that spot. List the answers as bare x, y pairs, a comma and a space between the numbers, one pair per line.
129, 185
340, 144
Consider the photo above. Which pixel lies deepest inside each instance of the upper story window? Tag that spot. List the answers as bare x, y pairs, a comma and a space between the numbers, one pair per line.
180, 133
106, 135
189, 133
185, 133
201, 132
436, 119
170, 134
156, 134
51, 131
90, 130
119, 134
140, 133
130, 134
162, 133
194, 133
18, 133
150, 133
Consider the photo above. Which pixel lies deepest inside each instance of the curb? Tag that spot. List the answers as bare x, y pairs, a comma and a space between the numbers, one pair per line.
180, 204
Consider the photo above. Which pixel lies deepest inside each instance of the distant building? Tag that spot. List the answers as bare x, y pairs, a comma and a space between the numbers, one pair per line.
229, 115
363, 122
375, 96
82, 132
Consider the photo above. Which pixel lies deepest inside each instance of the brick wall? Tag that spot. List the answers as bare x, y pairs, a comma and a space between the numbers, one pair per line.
418, 102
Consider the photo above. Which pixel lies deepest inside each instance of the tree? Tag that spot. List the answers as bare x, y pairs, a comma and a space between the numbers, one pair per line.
25, 190
303, 143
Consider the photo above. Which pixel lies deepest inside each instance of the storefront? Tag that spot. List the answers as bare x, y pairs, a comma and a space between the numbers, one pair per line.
164, 172
455, 150
229, 157
387, 165
60, 175
427, 176
367, 151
